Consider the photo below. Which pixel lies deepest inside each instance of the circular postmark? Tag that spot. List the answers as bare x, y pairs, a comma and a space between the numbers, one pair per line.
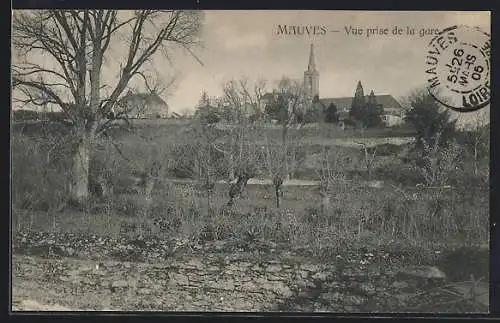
458, 68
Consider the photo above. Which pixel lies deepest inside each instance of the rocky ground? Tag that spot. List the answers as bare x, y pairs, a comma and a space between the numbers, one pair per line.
70, 272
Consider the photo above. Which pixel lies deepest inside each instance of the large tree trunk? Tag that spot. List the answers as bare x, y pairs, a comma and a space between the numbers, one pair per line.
79, 182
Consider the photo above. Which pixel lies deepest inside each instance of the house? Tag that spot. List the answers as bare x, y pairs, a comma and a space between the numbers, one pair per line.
392, 120
175, 115
390, 105
345, 121
393, 111
142, 106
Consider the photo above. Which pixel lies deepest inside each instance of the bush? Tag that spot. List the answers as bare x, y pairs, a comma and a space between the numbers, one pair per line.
37, 183
388, 150
398, 173
459, 264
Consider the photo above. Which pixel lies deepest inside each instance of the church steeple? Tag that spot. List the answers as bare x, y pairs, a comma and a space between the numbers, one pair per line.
312, 64
311, 77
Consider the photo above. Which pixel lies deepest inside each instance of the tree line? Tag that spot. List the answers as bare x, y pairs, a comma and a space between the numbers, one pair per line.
365, 113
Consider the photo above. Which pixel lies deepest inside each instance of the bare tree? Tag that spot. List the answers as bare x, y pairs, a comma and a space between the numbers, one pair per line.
259, 89
155, 85
290, 100
329, 171
146, 184
438, 161
247, 167
241, 152
78, 42
241, 96
478, 139
202, 153
244, 160
275, 155
370, 153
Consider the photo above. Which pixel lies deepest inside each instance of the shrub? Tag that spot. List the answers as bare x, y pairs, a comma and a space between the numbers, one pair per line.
33, 174
388, 150
460, 263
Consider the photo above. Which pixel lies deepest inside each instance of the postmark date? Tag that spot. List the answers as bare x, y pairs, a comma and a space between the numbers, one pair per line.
462, 68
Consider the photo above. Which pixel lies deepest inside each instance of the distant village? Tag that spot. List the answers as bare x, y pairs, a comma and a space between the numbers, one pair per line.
152, 106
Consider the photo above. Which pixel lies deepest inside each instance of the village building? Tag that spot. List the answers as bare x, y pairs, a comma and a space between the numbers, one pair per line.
393, 111
143, 106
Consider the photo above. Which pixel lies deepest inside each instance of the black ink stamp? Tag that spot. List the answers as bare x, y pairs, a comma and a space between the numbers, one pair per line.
458, 68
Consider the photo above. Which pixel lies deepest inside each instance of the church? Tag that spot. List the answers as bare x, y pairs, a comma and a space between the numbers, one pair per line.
393, 111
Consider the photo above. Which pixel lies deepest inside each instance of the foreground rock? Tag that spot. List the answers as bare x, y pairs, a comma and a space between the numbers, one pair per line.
218, 276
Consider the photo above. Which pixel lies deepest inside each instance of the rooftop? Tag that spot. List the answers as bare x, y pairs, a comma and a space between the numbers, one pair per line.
386, 100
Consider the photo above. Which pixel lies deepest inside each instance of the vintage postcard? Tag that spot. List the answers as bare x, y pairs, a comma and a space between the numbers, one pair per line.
250, 161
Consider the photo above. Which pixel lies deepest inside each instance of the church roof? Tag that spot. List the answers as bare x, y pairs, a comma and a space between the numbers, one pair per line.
386, 100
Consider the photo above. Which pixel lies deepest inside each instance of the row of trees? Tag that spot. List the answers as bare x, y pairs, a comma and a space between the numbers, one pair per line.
439, 150
242, 158
367, 112
241, 99
434, 154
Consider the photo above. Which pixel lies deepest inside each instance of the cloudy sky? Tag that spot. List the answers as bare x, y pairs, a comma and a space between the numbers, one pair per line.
247, 43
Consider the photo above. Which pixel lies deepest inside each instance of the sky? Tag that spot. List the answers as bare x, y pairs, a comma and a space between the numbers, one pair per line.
248, 43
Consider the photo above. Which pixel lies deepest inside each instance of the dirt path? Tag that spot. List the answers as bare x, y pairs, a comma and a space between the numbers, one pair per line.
255, 181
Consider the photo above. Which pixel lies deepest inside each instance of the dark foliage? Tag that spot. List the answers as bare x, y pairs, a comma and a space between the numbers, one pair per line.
373, 112
459, 264
278, 109
208, 114
428, 119
358, 104
331, 114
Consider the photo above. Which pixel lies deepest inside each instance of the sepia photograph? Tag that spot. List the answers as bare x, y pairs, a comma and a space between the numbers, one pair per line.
250, 161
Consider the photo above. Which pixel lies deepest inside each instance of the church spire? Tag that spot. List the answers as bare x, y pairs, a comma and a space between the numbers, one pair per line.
311, 77
312, 65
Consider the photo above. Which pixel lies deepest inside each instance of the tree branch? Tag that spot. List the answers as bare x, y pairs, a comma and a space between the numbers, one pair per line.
44, 89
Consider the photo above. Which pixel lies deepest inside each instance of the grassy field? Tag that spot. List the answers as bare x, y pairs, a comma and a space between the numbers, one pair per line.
433, 215
436, 217
398, 217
